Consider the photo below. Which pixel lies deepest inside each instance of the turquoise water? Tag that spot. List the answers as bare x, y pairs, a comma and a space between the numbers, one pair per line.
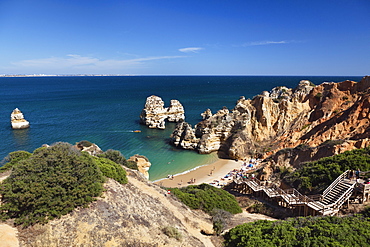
105, 110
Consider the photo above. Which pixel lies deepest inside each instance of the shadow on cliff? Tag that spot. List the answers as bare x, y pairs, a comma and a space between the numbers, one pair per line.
344, 116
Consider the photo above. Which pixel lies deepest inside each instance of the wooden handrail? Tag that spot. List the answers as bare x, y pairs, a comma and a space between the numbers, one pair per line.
336, 181
294, 196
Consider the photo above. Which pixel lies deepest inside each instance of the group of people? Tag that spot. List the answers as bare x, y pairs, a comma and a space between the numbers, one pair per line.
242, 173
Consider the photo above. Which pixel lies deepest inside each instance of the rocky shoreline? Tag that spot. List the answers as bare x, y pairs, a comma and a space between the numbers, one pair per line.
284, 118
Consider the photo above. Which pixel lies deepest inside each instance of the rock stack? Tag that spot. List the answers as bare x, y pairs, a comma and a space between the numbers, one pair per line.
284, 118
17, 120
154, 113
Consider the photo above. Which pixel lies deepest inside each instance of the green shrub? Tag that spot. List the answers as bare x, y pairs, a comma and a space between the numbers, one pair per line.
315, 177
220, 219
117, 157
260, 208
13, 158
172, 232
207, 198
302, 231
112, 170
50, 183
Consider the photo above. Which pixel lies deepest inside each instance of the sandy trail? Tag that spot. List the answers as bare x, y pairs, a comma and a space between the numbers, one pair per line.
8, 236
189, 225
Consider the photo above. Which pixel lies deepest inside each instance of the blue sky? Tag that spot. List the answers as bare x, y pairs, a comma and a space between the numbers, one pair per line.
170, 37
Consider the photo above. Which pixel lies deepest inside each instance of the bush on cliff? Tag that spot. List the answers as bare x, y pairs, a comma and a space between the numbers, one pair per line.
302, 231
207, 198
13, 158
48, 184
112, 170
315, 177
117, 157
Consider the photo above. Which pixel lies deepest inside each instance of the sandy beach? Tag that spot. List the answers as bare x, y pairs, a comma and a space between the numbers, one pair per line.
203, 174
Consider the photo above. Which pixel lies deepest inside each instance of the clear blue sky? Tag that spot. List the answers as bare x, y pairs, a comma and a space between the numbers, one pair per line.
170, 37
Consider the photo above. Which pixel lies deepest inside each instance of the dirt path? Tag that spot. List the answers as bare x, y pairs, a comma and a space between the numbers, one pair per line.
191, 228
8, 234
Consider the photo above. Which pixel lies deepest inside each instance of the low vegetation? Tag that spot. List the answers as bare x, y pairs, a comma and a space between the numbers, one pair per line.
172, 232
207, 198
112, 170
314, 177
303, 231
13, 158
220, 219
117, 157
52, 182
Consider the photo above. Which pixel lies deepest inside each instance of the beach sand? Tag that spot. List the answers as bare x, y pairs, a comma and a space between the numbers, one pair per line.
203, 174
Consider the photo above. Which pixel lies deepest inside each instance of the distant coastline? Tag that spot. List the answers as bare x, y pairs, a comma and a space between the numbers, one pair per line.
45, 75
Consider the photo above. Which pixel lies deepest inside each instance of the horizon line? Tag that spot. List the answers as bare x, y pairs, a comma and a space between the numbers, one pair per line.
102, 75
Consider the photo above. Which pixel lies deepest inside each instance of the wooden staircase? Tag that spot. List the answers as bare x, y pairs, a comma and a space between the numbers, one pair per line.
329, 203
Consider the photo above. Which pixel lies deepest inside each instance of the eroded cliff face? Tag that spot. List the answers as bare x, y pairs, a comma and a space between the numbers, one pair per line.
283, 118
250, 125
127, 215
155, 114
143, 164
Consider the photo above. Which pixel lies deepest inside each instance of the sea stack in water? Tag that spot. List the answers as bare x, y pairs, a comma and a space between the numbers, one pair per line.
17, 120
154, 113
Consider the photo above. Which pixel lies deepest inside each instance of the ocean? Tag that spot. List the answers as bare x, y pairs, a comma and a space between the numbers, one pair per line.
105, 110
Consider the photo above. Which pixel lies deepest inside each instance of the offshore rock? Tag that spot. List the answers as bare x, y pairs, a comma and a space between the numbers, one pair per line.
184, 136
143, 164
286, 118
17, 120
155, 114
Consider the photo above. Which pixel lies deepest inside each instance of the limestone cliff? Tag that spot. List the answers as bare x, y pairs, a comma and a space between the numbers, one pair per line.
143, 164
251, 124
155, 114
126, 215
294, 157
17, 120
283, 118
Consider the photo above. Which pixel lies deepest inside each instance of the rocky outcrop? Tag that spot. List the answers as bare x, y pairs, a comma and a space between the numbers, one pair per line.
239, 132
134, 214
89, 147
155, 114
207, 114
17, 120
143, 164
283, 118
294, 157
